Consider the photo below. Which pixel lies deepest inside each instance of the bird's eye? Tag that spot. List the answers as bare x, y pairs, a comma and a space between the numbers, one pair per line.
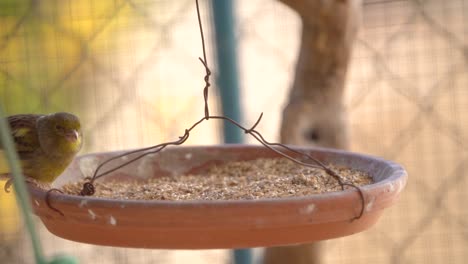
59, 127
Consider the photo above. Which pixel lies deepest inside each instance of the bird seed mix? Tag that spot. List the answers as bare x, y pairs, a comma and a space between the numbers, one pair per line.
241, 180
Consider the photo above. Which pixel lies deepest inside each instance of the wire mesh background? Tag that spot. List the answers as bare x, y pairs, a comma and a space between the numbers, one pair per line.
130, 70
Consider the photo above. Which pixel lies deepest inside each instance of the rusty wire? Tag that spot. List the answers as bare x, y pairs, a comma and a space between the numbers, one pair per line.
281, 149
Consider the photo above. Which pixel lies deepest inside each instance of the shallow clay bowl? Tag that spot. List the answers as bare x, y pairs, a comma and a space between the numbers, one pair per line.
216, 224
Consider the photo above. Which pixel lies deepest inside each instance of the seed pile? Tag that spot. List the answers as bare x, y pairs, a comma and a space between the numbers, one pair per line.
242, 180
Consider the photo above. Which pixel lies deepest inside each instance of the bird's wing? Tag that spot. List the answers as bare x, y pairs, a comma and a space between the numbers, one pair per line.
24, 133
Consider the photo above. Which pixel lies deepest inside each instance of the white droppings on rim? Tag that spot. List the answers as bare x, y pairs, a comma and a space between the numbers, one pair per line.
112, 220
88, 165
165, 162
145, 167
91, 214
401, 185
308, 209
124, 158
370, 204
37, 202
83, 203
188, 156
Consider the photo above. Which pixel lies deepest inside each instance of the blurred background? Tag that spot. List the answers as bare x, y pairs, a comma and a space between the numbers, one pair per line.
130, 70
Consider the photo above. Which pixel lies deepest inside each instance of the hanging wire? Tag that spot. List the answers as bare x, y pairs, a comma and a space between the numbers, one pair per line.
281, 149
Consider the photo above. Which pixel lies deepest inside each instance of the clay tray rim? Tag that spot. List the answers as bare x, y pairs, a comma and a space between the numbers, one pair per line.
398, 175
209, 224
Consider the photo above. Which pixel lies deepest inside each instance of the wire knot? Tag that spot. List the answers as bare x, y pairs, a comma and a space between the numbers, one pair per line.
88, 189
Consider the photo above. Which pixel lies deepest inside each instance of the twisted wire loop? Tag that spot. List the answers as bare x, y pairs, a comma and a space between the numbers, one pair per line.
47, 199
281, 149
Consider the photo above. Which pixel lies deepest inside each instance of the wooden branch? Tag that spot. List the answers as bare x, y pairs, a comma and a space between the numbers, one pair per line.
315, 114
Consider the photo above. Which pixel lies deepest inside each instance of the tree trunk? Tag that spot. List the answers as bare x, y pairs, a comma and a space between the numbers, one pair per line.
315, 114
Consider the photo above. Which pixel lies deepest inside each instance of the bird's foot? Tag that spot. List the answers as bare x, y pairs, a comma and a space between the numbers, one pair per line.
8, 185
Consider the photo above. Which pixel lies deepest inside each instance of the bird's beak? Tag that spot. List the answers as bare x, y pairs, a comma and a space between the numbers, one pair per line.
72, 135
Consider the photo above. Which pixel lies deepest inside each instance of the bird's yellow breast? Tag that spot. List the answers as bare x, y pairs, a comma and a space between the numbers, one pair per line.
42, 168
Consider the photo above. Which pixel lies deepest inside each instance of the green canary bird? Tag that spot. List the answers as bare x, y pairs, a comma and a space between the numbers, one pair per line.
46, 144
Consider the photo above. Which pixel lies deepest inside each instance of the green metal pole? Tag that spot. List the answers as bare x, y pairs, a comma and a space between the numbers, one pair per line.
227, 80
22, 195
228, 83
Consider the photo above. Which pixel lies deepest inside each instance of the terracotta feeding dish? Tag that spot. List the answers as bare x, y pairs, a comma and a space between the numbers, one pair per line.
206, 224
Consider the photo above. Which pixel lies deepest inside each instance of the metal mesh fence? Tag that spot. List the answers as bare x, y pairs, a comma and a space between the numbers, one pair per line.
406, 98
130, 70
407, 101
